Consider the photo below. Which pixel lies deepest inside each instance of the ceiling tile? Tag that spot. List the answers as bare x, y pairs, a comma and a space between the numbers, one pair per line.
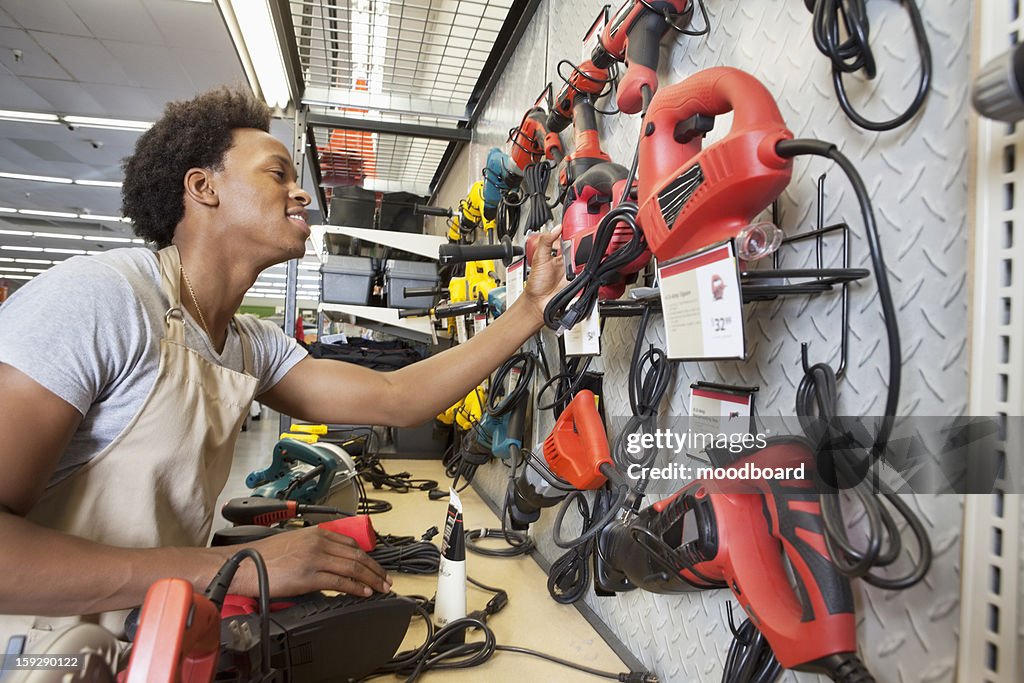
50, 15
207, 69
131, 22
127, 102
149, 65
190, 24
34, 60
44, 150
19, 96
67, 97
6, 19
84, 58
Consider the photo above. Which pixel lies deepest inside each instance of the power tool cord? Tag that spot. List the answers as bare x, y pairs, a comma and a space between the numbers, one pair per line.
817, 392
535, 186
501, 402
217, 590
569, 576
750, 658
854, 53
446, 648
577, 300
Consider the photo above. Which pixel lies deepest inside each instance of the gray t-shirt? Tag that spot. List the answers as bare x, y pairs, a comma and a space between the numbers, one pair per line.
89, 330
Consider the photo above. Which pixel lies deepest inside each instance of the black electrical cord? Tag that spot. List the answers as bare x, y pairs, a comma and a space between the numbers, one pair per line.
854, 53
414, 557
502, 401
535, 186
446, 648
217, 590
750, 659
519, 543
817, 395
566, 383
569, 576
508, 216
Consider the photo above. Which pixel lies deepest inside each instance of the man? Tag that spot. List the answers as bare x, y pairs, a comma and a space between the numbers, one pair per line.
124, 378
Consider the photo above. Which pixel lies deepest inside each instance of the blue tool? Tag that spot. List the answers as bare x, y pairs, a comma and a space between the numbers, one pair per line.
315, 474
500, 175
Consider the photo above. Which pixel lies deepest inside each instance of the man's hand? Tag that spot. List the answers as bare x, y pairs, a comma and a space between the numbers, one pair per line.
309, 560
547, 273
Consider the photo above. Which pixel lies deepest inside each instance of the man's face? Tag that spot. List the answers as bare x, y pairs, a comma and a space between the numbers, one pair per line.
260, 199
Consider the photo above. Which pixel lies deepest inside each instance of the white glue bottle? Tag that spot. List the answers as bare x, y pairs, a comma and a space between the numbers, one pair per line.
450, 603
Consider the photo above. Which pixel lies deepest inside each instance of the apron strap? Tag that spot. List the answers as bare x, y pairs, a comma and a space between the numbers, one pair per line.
170, 277
248, 363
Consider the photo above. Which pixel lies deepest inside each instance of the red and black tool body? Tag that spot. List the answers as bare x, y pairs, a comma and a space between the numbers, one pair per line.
587, 152
531, 140
588, 201
576, 451
586, 82
692, 197
746, 531
178, 638
634, 36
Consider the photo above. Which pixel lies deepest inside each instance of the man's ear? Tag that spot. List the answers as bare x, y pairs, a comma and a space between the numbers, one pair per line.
199, 187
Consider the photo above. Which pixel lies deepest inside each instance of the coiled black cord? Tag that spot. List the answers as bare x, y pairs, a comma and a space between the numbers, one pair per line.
562, 312
535, 187
569, 576
854, 53
413, 557
817, 395
750, 659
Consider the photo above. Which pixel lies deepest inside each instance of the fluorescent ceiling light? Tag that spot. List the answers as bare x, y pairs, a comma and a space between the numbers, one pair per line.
35, 270
28, 260
40, 178
9, 269
17, 233
17, 277
57, 235
64, 251
255, 32
110, 124
99, 183
10, 248
47, 214
28, 116
7, 209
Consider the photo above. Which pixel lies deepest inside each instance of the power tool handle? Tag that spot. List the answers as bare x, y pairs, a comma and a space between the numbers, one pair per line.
643, 50
797, 524
458, 253
714, 91
464, 308
424, 210
255, 510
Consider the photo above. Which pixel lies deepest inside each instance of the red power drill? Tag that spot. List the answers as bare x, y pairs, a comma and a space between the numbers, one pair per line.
588, 201
576, 452
531, 140
743, 528
576, 104
692, 197
634, 36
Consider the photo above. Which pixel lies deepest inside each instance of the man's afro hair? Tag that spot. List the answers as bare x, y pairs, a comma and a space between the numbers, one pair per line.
191, 134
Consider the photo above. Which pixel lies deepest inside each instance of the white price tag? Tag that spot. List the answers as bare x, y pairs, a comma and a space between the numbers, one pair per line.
716, 414
702, 305
460, 329
584, 339
514, 276
479, 323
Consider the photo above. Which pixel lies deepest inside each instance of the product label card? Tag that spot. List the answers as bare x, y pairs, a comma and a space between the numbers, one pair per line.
514, 280
702, 305
714, 413
479, 323
584, 339
460, 329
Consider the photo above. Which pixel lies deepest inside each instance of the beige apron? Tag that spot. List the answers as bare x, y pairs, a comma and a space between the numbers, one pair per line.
157, 483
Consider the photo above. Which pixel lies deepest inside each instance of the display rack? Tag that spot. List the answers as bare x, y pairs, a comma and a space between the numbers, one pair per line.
990, 642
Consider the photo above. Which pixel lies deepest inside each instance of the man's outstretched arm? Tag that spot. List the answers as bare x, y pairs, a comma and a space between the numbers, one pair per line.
46, 572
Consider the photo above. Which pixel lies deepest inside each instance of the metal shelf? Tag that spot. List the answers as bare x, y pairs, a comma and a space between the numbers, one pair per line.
385, 320
421, 245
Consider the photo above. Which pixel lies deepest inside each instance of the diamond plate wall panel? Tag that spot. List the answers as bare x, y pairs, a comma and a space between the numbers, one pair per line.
917, 177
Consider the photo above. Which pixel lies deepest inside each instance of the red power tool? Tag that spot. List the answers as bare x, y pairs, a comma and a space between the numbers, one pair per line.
178, 640
743, 529
692, 197
588, 201
531, 140
576, 452
634, 36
